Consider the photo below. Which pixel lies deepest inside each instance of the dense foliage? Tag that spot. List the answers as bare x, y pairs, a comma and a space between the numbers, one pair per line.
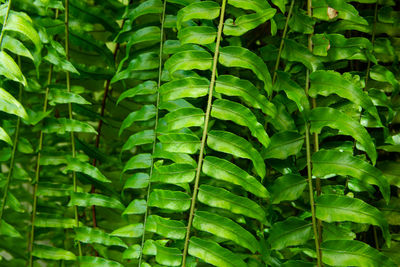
198, 133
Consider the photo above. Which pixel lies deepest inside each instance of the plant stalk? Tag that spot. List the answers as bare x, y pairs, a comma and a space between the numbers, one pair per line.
373, 43
68, 80
5, 24
205, 131
146, 214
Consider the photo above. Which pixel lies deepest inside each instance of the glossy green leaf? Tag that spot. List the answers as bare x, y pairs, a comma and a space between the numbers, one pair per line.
5, 137
183, 118
221, 198
147, 112
10, 69
137, 206
52, 253
76, 165
197, 35
10, 105
326, 162
254, 5
230, 143
294, 51
335, 208
87, 200
140, 161
229, 110
224, 170
89, 261
95, 235
225, 228
131, 230
287, 187
352, 252
171, 200
168, 256
48, 221
175, 173
15, 46
180, 143
138, 139
165, 227
7, 229
63, 125
213, 253
321, 117
291, 232
200, 10
189, 60
147, 7
145, 88
235, 56
283, 145
246, 23
187, 87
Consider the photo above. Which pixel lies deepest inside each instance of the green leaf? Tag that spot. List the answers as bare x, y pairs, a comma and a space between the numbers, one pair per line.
76, 165
147, 112
50, 221
221, 198
52, 253
294, 51
255, 5
63, 125
239, 147
354, 253
90, 261
283, 145
183, 118
171, 200
87, 200
287, 188
246, 23
225, 228
328, 82
300, 22
138, 139
233, 86
229, 110
333, 231
335, 208
189, 60
168, 256
10, 69
187, 87
140, 161
15, 46
180, 143
10, 105
8, 230
146, 34
147, 7
176, 173
145, 88
327, 162
95, 235
59, 60
213, 253
236, 56
64, 97
291, 232
5, 137
131, 230
344, 11
224, 170
197, 35
137, 180
200, 10
132, 252
325, 116
165, 227
137, 206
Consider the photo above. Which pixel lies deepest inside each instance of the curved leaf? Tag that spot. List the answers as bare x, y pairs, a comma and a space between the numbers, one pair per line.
165, 227
176, 173
189, 60
90, 261
95, 235
10, 69
187, 87
87, 200
246, 23
287, 187
183, 118
283, 145
200, 10
147, 112
197, 35
52, 253
145, 88
10, 105
180, 143
171, 200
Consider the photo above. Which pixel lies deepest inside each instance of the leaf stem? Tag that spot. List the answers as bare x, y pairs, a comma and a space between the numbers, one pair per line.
316, 224
282, 41
5, 24
68, 80
205, 131
373, 43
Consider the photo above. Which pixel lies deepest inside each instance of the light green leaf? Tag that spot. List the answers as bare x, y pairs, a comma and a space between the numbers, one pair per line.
328, 82
333, 231
50, 221
325, 116
138, 139
131, 230
11, 105
239, 147
197, 35
176, 173
76, 165
233, 86
248, 22
291, 232
139, 161
287, 187
146, 34
10, 69
283, 145
132, 252
5, 137
180, 143
189, 60
221, 198
7, 229
137, 180
354, 253
326, 162
95, 235
147, 112
236, 56
224, 170
165, 227
225, 228
147, 7
87, 200
145, 88
200, 10
52, 253
183, 118
90, 261
187, 87
168, 256
255, 5
171, 200
229, 110
343, 10
59, 60
294, 51
137, 206
63, 125
336, 208
63, 97
213, 253
15, 46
